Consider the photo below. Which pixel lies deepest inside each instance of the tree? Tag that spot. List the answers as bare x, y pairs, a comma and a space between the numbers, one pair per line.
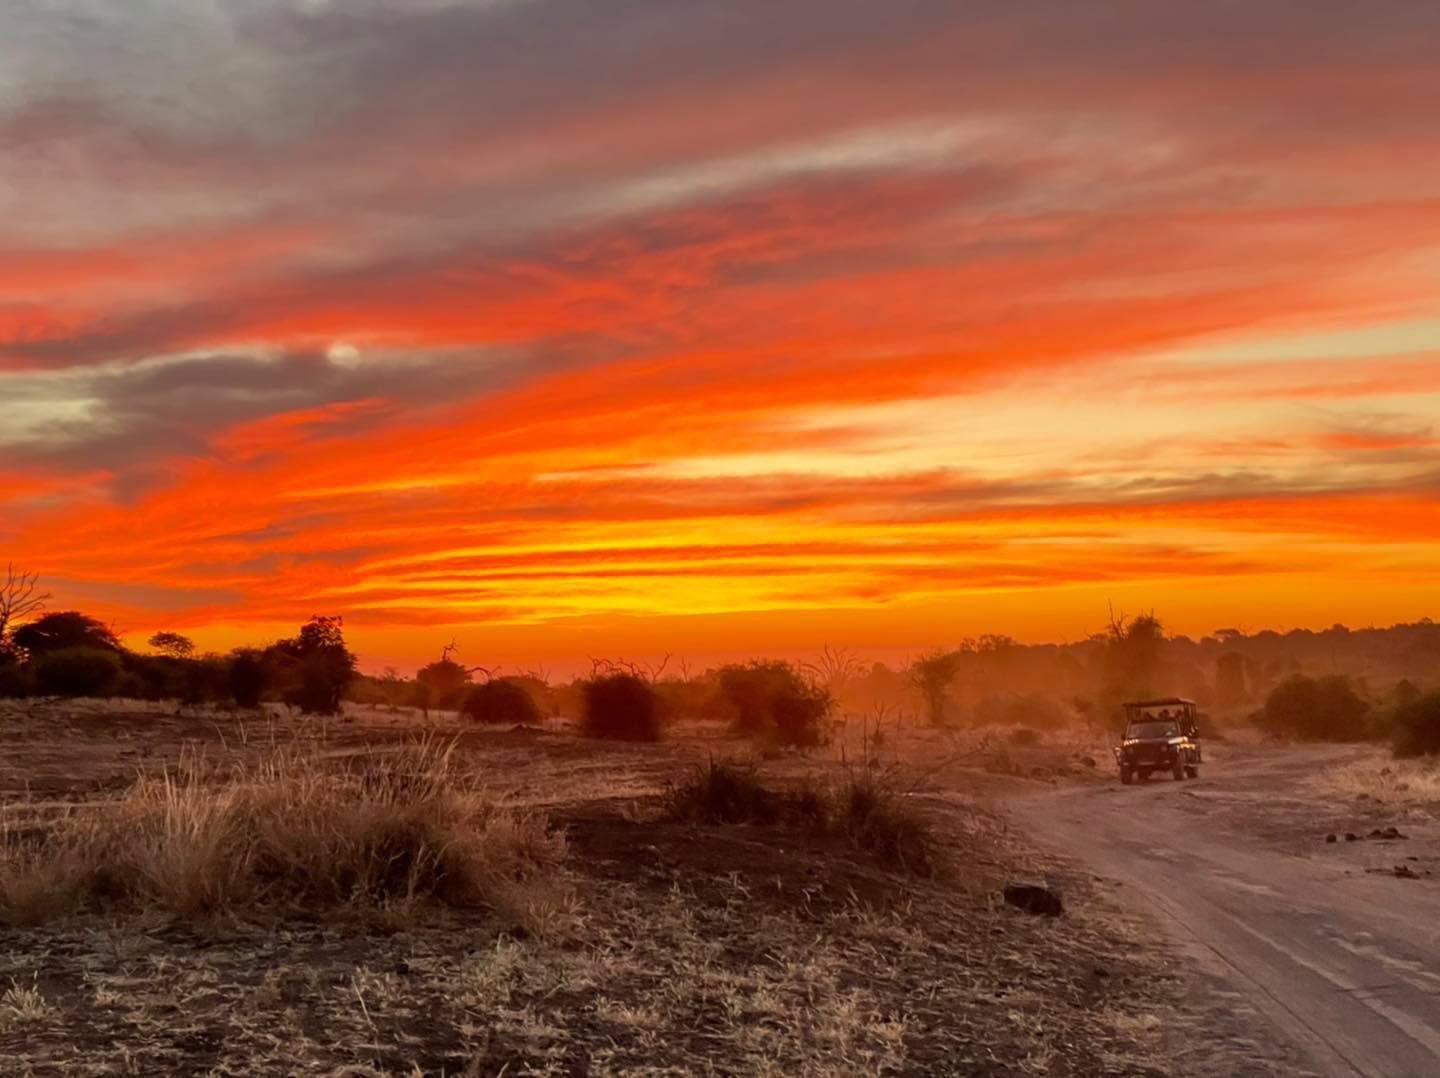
317, 664
173, 644
1230, 679
443, 683
1416, 729
1132, 657
20, 597
932, 674
65, 630
77, 672
1317, 709
248, 678
501, 700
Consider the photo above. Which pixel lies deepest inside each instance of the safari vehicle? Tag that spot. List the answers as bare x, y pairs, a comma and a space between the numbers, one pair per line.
1160, 735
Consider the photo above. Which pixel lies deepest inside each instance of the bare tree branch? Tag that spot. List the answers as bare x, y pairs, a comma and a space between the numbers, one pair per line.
20, 596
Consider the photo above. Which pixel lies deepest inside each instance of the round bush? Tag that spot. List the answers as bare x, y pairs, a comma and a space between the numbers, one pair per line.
621, 707
773, 700
1416, 731
500, 701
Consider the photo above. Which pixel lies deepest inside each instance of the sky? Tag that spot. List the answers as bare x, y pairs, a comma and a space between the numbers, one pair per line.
562, 328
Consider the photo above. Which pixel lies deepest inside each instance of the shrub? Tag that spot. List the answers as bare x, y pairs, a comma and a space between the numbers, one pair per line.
204, 681
292, 834
798, 717
1317, 709
772, 699
873, 816
501, 700
15, 680
722, 793
77, 672
443, 683
621, 707
861, 809
1416, 726
248, 679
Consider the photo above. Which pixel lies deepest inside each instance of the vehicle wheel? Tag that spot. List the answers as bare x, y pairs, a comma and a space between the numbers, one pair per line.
1192, 772
1178, 771
1126, 776
1144, 774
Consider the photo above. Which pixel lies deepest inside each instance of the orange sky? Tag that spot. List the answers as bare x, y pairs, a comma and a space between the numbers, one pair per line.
568, 329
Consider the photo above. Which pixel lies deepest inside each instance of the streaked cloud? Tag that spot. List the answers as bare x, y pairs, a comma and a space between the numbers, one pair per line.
550, 313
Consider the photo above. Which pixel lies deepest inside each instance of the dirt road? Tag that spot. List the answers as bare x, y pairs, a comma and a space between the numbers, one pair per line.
1334, 952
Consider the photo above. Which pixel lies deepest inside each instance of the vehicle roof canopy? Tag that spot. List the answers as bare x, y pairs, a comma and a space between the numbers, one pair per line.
1169, 701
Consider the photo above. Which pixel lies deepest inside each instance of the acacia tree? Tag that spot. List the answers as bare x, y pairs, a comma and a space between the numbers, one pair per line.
174, 645
20, 597
932, 674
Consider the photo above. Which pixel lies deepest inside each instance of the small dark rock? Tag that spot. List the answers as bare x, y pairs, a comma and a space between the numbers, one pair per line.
1362, 797
1033, 898
1330, 837
1351, 836
1088, 761
1405, 872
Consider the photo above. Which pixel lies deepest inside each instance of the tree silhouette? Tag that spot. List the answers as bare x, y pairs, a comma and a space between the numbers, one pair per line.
174, 645
63, 630
20, 597
932, 674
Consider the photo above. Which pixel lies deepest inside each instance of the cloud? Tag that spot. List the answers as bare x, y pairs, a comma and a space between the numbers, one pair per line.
536, 310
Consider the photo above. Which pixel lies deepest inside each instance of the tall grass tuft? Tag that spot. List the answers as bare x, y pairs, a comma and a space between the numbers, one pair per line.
295, 833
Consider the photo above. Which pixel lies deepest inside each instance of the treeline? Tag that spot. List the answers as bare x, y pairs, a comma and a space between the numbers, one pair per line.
995, 680
779, 701
71, 654
1339, 708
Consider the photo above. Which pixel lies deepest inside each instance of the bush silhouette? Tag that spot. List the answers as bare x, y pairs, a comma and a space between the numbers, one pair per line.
771, 699
77, 672
205, 681
621, 707
444, 684
501, 700
1416, 727
248, 679
722, 793
1317, 709
15, 680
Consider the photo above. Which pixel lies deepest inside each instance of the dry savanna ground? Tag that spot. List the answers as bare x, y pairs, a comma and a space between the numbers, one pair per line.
206, 893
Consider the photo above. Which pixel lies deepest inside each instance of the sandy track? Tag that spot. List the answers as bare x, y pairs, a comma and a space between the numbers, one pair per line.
1342, 962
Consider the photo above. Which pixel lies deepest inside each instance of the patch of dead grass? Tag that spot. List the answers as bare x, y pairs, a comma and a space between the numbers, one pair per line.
382, 833
1378, 776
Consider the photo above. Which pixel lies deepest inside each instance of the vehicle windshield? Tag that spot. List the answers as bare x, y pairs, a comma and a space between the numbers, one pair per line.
1149, 731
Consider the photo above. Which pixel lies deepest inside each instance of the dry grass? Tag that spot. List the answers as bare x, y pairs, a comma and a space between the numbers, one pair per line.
1378, 776
293, 833
654, 947
865, 809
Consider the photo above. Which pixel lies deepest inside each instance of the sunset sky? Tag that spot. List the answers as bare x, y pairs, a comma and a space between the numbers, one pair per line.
567, 327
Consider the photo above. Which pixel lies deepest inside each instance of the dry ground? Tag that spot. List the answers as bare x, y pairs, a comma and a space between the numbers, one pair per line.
660, 948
